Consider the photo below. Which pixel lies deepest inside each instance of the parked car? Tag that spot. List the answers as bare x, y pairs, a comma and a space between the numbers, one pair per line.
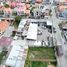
50, 41
39, 32
15, 37
50, 30
65, 36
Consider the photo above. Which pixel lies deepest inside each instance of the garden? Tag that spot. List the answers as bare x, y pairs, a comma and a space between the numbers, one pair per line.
41, 53
41, 57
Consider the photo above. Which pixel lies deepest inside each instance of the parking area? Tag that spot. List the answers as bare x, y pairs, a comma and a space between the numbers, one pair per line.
43, 35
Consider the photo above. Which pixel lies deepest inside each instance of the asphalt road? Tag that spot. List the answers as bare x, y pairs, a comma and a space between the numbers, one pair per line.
62, 60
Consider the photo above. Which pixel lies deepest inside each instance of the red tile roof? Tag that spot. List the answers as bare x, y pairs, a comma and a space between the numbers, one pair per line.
3, 25
27, 0
27, 6
8, 10
27, 12
13, 4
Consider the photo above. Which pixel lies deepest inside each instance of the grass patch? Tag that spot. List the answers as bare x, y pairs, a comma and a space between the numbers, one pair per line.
2, 54
39, 64
35, 64
41, 53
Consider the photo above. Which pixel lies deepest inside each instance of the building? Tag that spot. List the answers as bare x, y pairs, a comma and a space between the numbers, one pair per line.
7, 12
5, 42
60, 1
62, 11
17, 55
3, 26
22, 24
32, 32
22, 8
47, 1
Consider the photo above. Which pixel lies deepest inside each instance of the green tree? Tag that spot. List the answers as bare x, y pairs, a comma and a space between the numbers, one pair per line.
17, 20
6, 5
1, 12
32, 9
50, 11
14, 14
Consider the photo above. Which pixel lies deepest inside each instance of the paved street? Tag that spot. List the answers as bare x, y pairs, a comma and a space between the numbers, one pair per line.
62, 60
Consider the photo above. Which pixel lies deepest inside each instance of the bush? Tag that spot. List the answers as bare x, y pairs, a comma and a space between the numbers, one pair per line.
14, 14
13, 33
17, 20
2, 54
6, 5
32, 9
54, 63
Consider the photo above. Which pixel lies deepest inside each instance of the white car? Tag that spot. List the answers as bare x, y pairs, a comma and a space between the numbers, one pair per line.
15, 37
39, 32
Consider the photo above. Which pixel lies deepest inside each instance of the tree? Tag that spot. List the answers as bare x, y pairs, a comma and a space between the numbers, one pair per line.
6, 5
14, 13
1, 12
61, 25
17, 20
32, 9
50, 11
4, 48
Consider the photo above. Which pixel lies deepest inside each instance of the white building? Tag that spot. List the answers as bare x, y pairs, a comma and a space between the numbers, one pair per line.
21, 25
32, 32
17, 54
